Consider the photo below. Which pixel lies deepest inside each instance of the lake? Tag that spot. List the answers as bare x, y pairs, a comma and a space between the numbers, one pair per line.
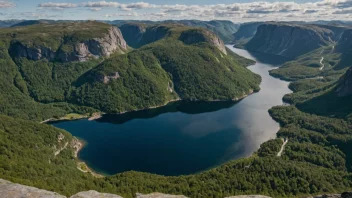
183, 137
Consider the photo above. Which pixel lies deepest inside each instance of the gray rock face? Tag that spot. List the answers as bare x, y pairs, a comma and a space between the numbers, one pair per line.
249, 196
11, 190
83, 51
343, 195
94, 194
201, 35
106, 79
289, 40
159, 195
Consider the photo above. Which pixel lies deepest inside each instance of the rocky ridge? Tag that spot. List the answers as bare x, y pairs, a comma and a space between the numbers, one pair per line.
82, 51
12, 190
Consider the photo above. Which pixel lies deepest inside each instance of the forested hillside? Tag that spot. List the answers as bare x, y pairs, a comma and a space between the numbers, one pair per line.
59, 72
85, 67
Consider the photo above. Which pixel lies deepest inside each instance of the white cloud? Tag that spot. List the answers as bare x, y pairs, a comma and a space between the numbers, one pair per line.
57, 5
140, 5
130, 14
251, 11
6, 4
100, 4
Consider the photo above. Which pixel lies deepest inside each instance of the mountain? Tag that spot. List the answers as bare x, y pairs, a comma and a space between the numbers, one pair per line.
9, 23
171, 62
85, 67
245, 32
138, 34
289, 40
224, 29
33, 22
322, 79
174, 62
70, 45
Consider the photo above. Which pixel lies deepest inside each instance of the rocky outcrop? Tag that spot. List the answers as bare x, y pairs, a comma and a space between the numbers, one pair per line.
11, 190
343, 195
159, 195
289, 40
345, 84
249, 196
96, 47
194, 36
94, 194
107, 78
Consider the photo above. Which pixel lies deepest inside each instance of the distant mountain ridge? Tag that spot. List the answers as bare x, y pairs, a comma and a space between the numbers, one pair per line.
289, 40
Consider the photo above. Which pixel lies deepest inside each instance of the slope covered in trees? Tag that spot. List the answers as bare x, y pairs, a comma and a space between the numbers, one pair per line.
85, 67
316, 160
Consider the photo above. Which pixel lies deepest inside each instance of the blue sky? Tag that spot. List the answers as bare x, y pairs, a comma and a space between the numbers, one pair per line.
234, 10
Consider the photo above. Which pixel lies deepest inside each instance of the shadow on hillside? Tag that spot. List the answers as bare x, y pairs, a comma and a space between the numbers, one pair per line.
328, 104
183, 107
269, 58
345, 61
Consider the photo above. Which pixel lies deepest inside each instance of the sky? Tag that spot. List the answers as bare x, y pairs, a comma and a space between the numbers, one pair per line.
233, 10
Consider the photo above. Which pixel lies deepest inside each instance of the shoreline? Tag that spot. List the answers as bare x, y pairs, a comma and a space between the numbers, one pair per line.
81, 165
82, 143
98, 115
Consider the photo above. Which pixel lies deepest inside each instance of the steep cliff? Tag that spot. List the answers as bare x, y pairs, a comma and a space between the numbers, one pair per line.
66, 45
133, 33
186, 63
289, 40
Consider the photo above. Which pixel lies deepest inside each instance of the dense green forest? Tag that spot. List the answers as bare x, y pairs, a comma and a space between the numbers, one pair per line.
316, 160
153, 75
311, 163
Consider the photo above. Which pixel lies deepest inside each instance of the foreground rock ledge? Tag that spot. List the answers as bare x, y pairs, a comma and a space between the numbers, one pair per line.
12, 190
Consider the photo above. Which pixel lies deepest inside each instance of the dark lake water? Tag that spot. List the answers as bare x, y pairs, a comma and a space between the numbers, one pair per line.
183, 138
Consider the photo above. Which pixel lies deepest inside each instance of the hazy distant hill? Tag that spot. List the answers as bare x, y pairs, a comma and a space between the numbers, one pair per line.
289, 40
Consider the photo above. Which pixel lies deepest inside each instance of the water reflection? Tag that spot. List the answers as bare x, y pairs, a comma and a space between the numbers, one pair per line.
182, 106
183, 138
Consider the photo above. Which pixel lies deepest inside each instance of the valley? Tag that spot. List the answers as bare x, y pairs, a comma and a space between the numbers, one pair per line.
182, 113
223, 130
